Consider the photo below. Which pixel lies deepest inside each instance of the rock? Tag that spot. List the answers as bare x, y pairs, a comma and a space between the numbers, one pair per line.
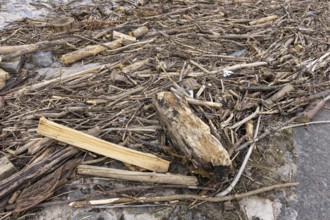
141, 216
13, 66
257, 208
238, 53
43, 59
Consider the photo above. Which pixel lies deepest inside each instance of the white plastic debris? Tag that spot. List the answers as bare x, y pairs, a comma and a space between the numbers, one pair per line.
227, 73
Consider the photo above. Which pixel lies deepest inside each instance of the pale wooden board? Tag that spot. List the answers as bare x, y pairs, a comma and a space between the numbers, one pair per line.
96, 145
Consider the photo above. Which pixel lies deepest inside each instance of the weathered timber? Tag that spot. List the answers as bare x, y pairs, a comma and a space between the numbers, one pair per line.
32, 173
45, 187
189, 133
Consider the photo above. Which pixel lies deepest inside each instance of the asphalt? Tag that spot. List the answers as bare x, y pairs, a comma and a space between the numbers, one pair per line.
312, 146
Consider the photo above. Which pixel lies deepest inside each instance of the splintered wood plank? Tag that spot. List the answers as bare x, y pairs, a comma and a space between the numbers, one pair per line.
96, 145
189, 133
137, 176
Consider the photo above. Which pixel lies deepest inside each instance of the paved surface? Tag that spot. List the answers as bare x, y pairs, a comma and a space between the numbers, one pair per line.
313, 149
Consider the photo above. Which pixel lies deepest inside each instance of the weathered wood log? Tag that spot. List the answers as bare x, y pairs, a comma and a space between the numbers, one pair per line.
137, 176
189, 133
96, 145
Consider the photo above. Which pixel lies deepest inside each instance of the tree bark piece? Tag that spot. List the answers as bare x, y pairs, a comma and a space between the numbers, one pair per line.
96, 145
137, 176
189, 133
45, 187
6, 168
33, 172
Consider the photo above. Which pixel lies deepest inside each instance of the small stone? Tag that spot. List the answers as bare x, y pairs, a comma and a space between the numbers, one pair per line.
257, 207
12, 66
29, 66
43, 59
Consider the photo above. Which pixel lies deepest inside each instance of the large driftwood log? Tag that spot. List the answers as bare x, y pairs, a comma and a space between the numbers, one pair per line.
189, 133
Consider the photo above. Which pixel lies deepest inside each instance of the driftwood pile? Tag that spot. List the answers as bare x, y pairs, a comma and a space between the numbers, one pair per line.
175, 82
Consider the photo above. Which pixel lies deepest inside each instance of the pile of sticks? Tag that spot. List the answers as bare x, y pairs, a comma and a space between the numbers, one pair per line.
171, 83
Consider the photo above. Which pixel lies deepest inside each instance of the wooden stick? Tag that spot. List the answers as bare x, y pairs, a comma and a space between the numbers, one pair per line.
135, 66
263, 20
313, 109
89, 51
203, 103
137, 176
59, 79
11, 52
180, 197
193, 101
119, 40
93, 144
6, 168
253, 115
281, 93
245, 65
305, 124
126, 38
